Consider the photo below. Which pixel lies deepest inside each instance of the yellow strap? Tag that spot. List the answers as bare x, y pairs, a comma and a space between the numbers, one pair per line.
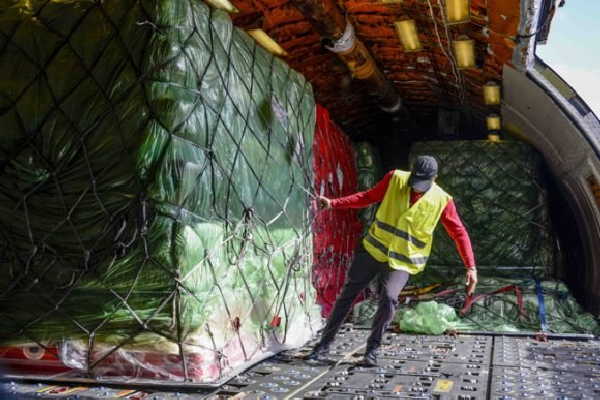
419, 291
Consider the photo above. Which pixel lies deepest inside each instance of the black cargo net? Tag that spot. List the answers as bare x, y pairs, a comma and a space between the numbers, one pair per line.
499, 192
154, 181
370, 172
500, 195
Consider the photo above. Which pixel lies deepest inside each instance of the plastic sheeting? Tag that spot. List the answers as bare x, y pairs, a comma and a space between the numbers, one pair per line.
501, 198
154, 171
335, 232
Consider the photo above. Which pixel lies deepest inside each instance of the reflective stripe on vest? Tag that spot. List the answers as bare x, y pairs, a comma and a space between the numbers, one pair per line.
400, 233
401, 257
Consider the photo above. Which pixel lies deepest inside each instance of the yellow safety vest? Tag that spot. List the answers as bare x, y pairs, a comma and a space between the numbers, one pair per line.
402, 235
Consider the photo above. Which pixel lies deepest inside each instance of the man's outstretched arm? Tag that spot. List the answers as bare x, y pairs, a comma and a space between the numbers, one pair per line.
360, 199
457, 231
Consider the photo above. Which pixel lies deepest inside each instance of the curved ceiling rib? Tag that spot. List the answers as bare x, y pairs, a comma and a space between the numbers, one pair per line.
426, 79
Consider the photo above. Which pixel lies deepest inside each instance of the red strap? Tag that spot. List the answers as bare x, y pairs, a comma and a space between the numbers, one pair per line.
519, 295
472, 299
275, 322
445, 292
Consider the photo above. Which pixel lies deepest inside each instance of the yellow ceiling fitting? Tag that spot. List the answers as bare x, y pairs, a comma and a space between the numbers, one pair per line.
267, 42
493, 122
223, 5
409, 37
464, 51
493, 137
492, 94
458, 11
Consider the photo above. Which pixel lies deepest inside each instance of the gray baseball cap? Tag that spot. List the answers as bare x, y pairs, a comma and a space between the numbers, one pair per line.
424, 169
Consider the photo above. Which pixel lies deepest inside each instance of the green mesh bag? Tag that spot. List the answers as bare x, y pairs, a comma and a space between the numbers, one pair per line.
154, 169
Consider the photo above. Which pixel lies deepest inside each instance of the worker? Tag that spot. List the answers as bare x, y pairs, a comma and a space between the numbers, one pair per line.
397, 245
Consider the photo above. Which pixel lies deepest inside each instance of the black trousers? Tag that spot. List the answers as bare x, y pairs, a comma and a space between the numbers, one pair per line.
363, 270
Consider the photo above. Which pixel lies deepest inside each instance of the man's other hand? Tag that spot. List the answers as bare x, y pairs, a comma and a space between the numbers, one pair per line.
471, 280
323, 203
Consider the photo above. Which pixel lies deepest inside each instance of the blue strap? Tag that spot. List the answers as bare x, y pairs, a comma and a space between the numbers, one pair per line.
541, 306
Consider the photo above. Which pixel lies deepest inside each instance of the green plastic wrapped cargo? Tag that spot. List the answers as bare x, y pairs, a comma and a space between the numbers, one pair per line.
370, 172
154, 164
500, 195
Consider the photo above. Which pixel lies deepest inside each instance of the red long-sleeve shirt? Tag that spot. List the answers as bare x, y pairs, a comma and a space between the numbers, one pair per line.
450, 219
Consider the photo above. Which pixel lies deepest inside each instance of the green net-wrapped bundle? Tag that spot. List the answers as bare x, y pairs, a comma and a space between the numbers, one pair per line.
500, 196
370, 171
561, 312
154, 165
502, 312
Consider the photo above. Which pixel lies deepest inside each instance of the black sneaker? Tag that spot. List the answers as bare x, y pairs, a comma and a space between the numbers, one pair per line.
369, 359
318, 353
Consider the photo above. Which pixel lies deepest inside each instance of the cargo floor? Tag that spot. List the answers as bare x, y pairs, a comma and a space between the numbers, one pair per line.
463, 367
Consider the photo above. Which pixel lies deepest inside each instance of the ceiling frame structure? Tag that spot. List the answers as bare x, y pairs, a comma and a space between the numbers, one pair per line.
425, 80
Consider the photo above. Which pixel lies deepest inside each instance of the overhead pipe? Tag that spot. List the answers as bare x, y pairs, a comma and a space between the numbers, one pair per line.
339, 37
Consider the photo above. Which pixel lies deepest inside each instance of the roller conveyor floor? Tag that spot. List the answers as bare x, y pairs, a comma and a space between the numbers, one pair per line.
418, 367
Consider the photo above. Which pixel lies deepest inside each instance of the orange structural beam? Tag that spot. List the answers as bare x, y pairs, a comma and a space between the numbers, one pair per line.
338, 36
